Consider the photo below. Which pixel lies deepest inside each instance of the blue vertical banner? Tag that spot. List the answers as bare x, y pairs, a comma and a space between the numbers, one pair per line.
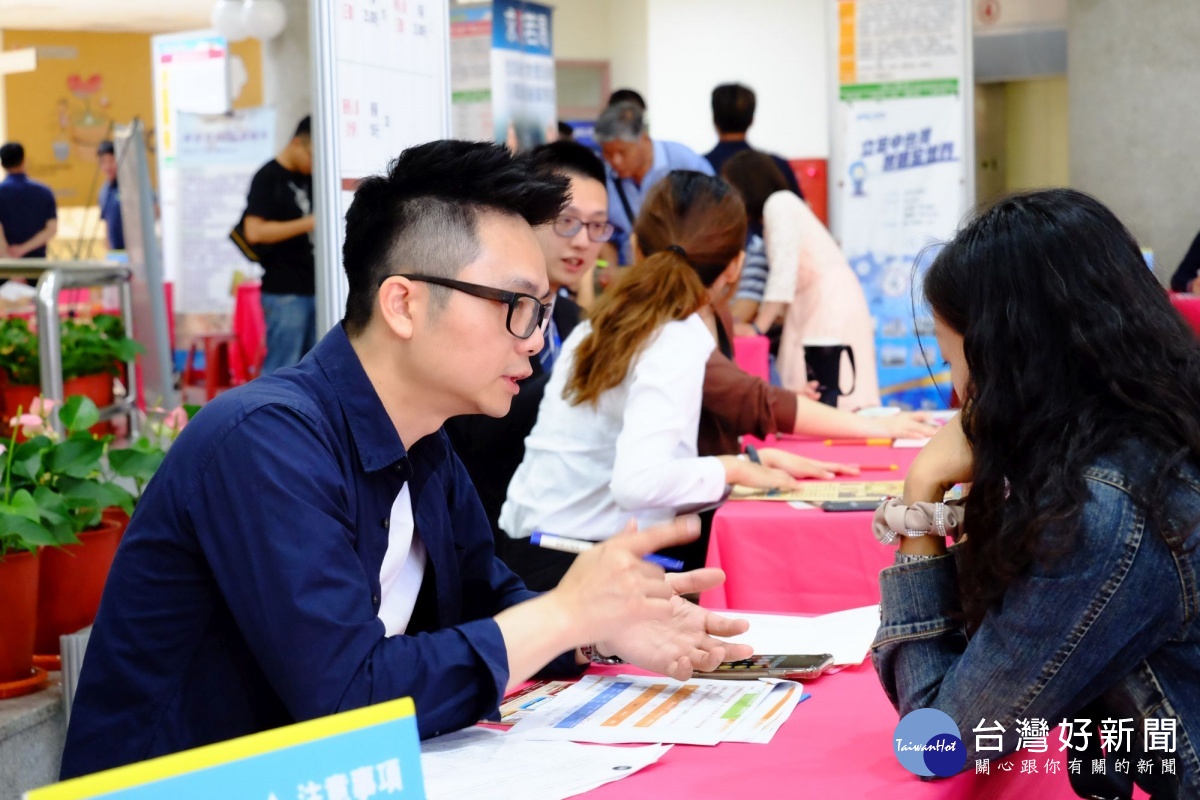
524, 103
901, 171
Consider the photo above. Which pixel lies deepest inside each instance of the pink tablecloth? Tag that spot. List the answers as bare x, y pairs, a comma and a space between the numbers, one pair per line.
836, 744
777, 558
752, 354
1188, 306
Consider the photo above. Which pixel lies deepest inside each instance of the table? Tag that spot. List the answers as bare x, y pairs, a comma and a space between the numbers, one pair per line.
780, 559
838, 743
1188, 305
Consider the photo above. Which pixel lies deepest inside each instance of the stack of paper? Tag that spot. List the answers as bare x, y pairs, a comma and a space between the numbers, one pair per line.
632, 708
846, 635
482, 764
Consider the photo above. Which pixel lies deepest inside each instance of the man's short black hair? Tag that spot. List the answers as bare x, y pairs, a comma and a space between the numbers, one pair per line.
627, 96
12, 154
733, 108
106, 148
423, 215
565, 158
304, 129
565, 131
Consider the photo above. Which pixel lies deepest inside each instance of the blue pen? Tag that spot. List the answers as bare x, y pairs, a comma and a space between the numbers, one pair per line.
552, 541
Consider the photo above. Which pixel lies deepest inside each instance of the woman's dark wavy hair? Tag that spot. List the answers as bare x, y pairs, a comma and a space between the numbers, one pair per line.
1072, 347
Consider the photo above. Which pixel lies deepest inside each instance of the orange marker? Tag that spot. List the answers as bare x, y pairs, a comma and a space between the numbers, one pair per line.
878, 467
858, 442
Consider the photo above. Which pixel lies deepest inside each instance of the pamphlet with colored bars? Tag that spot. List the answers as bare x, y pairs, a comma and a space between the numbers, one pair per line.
628, 709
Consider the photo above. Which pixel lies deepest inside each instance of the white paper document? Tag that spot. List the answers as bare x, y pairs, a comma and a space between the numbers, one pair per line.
846, 635
483, 764
768, 716
636, 708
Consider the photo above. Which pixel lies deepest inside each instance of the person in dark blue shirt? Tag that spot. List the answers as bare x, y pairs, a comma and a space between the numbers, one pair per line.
110, 195
733, 108
311, 543
28, 212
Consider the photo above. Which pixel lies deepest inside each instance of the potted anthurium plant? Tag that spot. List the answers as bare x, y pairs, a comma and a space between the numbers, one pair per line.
92, 354
66, 475
36, 512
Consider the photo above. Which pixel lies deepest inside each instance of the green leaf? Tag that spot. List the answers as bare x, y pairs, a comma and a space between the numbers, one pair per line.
28, 467
191, 409
22, 505
29, 534
135, 462
78, 457
53, 507
95, 494
78, 414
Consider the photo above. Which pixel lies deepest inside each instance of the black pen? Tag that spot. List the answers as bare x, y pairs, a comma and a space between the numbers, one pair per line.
752, 454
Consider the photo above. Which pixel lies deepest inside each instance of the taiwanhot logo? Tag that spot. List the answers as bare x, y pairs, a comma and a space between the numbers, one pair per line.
928, 743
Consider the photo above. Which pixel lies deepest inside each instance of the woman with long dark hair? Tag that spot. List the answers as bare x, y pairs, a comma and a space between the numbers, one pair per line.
1072, 592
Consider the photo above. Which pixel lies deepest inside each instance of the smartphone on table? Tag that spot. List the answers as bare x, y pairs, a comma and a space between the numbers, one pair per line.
789, 667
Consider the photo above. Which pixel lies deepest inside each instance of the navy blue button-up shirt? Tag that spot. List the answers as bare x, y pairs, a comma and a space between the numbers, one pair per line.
244, 595
25, 208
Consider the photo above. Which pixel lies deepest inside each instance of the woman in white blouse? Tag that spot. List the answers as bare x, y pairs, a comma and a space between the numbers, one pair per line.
810, 283
615, 438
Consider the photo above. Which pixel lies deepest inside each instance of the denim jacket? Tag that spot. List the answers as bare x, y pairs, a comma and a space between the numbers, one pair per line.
1107, 631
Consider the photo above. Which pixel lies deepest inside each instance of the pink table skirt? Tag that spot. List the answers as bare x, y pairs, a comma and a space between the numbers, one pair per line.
778, 558
837, 744
752, 354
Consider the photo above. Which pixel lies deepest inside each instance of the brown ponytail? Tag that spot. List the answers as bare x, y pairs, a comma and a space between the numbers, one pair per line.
690, 228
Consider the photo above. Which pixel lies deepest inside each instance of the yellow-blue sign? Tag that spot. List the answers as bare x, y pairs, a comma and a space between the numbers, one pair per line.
372, 753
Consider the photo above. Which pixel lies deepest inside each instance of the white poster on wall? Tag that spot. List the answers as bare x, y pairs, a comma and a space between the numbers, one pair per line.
901, 169
471, 72
216, 158
191, 73
382, 86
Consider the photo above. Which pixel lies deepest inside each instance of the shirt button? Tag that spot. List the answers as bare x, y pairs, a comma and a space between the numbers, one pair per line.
375, 599
386, 521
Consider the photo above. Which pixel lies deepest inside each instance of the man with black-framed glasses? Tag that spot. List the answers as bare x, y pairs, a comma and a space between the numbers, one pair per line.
491, 448
311, 544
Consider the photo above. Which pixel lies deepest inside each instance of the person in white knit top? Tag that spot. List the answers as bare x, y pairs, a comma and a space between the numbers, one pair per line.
812, 286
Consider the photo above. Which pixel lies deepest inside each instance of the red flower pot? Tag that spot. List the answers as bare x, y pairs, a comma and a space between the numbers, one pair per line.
71, 583
18, 614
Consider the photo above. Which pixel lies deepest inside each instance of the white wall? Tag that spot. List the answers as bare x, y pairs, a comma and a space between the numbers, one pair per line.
604, 30
581, 30
776, 47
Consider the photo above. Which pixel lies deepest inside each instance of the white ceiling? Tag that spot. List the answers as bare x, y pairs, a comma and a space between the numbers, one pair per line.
144, 16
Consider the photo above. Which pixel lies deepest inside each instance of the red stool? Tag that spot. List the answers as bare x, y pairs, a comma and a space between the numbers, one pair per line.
224, 366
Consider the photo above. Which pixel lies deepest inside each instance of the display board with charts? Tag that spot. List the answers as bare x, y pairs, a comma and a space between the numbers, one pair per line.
382, 85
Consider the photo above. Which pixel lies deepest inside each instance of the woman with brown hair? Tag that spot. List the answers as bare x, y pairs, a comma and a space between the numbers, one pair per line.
615, 438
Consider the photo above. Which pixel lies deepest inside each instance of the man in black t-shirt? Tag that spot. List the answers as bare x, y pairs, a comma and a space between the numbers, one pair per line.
279, 222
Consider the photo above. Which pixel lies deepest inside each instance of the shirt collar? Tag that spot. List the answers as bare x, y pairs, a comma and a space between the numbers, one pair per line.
17, 177
374, 434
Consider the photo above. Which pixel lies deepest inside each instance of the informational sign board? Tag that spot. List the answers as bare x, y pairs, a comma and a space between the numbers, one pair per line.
383, 84
901, 170
191, 73
216, 158
471, 72
370, 752
524, 105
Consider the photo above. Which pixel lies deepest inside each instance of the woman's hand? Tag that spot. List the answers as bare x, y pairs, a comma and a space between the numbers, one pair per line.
800, 467
744, 472
906, 425
942, 463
